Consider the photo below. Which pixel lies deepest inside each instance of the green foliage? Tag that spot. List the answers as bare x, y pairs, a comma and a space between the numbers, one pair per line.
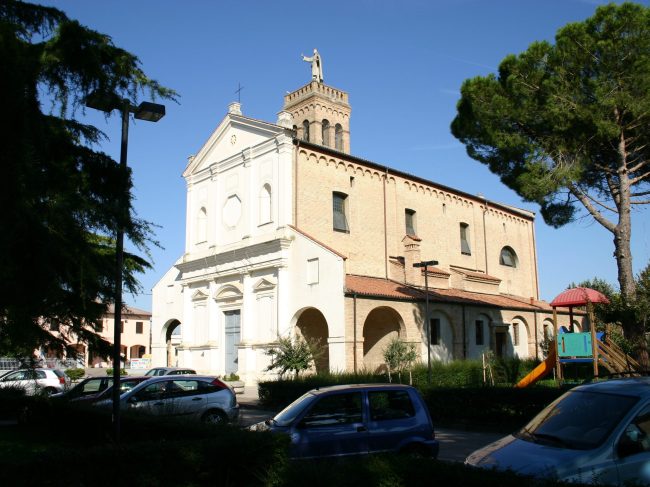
60, 210
232, 377
497, 408
399, 356
295, 355
75, 374
109, 372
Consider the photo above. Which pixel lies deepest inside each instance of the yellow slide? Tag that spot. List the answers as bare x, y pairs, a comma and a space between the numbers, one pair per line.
541, 370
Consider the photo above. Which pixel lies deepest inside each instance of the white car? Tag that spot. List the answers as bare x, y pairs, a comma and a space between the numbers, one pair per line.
34, 381
597, 433
197, 397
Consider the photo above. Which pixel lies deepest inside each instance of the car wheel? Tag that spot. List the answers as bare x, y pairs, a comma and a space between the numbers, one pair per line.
214, 417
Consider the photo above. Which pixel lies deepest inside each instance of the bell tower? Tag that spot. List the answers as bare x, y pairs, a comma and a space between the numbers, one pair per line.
320, 113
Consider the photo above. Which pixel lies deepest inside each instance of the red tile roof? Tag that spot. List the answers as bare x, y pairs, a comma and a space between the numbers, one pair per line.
378, 287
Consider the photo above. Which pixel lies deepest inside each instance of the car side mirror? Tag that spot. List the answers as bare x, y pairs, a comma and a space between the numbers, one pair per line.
132, 400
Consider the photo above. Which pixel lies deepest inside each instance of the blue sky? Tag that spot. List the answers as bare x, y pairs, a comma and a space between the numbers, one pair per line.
402, 63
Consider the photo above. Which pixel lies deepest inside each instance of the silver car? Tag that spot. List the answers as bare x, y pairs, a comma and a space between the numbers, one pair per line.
34, 381
597, 433
169, 371
196, 397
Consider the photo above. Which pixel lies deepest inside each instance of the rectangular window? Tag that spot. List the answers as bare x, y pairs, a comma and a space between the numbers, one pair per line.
121, 327
479, 332
409, 217
312, 271
387, 405
138, 327
435, 331
515, 333
464, 239
339, 210
334, 410
54, 325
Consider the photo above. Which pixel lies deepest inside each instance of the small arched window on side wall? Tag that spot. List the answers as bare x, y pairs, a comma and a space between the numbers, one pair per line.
265, 204
508, 257
305, 130
338, 137
202, 226
326, 132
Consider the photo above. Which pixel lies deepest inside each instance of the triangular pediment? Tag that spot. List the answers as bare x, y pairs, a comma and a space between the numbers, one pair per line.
199, 295
233, 136
263, 285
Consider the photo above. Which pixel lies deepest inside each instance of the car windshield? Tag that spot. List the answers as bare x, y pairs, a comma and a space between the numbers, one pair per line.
151, 372
293, 410
579, 420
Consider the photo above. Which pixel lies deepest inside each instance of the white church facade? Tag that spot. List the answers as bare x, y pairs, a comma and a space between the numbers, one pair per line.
289, 234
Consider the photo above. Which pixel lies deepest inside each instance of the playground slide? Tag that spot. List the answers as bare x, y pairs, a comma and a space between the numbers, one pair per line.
541, 370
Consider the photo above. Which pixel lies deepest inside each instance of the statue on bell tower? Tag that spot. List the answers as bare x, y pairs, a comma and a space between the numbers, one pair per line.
316, 66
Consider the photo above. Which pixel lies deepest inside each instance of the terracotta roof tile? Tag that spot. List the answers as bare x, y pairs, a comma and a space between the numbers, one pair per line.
373, 286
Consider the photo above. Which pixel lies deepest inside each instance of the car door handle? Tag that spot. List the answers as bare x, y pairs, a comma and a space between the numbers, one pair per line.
196, 399
361, 429
158, 403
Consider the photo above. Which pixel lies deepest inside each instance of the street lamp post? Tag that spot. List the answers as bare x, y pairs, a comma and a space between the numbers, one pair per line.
151, 112
427, 321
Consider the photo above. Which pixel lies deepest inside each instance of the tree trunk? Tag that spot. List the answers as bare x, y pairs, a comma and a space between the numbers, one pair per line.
633, 328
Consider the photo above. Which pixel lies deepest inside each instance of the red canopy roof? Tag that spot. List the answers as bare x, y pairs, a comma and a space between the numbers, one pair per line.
579, 296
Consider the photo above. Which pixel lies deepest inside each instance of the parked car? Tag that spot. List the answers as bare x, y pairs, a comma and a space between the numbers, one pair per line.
126, 384
98, 388
169, 371
356, 419
34, 381
198, 397
86, 390
595, 433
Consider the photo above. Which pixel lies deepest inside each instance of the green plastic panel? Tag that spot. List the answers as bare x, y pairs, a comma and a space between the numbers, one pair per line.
574, 345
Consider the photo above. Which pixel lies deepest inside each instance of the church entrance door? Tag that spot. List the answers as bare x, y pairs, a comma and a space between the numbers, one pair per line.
233, 337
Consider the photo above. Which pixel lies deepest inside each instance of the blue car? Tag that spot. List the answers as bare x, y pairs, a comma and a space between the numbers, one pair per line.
355, 420
597, 433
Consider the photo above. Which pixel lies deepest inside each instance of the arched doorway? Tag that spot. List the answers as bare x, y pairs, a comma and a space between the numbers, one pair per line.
80, 353
381, 326
172, 339
312, 326
137, 351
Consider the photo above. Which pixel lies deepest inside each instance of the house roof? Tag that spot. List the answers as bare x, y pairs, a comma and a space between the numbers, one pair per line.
128, 310
387, 288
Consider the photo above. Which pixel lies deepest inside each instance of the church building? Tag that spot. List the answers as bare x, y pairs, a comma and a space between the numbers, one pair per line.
289, 234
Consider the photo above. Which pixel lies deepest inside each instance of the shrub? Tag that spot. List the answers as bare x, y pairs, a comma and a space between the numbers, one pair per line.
75, 374
295, 355
399, 356
232, 377
110, 372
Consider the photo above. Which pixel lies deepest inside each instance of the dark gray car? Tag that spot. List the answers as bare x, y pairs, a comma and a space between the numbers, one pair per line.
356, 419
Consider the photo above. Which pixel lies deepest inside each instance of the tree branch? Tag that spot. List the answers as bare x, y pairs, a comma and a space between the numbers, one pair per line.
586, 202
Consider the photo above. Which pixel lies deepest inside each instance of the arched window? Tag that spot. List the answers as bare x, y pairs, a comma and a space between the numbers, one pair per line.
508, 257
265, 204
305, 130
326, 133
202, 226
338, 137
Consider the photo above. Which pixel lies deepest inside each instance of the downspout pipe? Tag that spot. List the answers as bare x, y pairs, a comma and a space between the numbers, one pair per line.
354, 334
